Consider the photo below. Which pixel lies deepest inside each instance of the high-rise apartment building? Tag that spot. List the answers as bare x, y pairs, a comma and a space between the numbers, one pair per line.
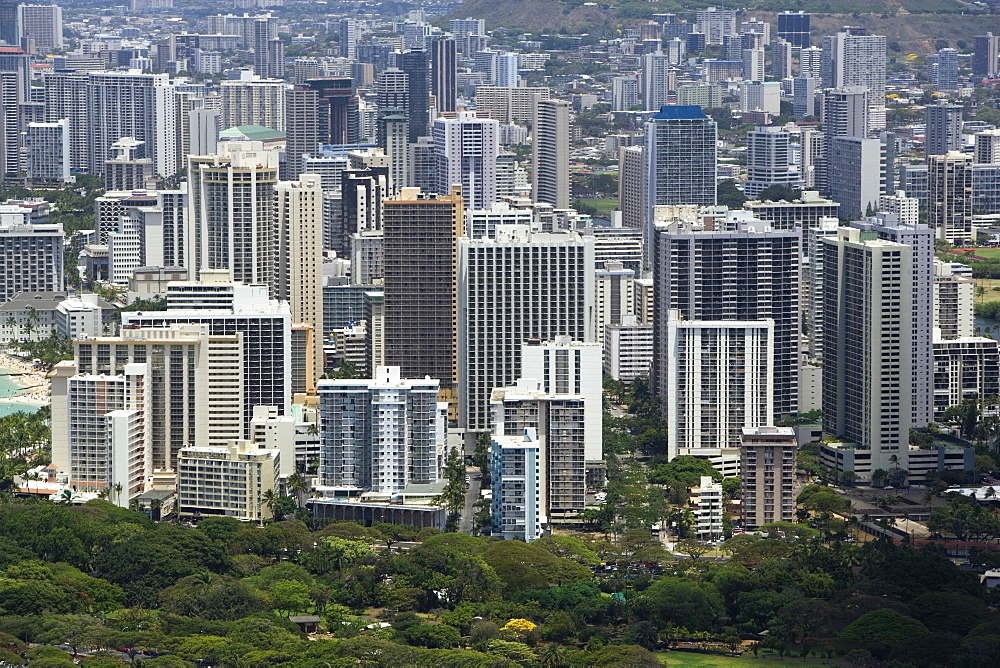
794, 27
680, 158
716, 24
745, 276
228, 308
954, 299
420, 291
31, 259
511, 289
632, 186
466, 148
767, 472
65, 96
920, 239
566, 367
8, 21
517, 471
624, 92
127, 168
845, 112
444, 73
231, 212
949, 196
656, 85
855, 60
857, 173
987, 148
555, 417
102, 426
393, 127
965, 368
349, 34
195, 386
769, 161
381, 434
298, 271
707, 400
781, 59
550, 153
256, 101
48, 150
132, 104
339, 110
944, 128
42, 23
947, 69
867, 356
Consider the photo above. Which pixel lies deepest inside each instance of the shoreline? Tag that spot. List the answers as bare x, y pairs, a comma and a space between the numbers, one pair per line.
34, 385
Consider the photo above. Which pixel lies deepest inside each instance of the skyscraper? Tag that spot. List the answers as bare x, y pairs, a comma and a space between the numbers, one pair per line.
632, 186
444, 73
43, 23
947, 70
231, 308
516, 287
781, 59
132, 104
845, 112
624, 92
949, 196
867, 353
380, 435
338, 109
349, 34
986, 57
747, 275
195, 385
680, 158
794, 27
420, 291
10, 125
254, 101
920, 239
393, 127
855, 60
857, 173
418, 79
466, 149
8, 21
298, 272
231, 212
550, 153
656, 86
944, 128
301, 128
987, 148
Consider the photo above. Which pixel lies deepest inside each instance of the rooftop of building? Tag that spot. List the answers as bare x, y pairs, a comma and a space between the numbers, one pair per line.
251, 133
39, 301
680, 112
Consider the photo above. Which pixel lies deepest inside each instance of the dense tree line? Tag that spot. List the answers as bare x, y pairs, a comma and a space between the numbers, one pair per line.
100, 577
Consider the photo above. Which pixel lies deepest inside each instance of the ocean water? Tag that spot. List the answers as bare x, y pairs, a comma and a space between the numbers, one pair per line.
9, 388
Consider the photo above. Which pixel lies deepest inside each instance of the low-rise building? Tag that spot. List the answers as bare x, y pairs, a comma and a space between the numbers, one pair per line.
228, 481
708, 504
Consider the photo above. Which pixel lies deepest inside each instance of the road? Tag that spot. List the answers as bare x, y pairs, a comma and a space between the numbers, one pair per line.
471, 496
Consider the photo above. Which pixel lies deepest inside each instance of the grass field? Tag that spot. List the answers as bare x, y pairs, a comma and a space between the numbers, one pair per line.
989, 294
746, 661
602, 205
989, 253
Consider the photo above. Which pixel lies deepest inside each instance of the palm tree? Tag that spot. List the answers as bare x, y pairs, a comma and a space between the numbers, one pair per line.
155, 508
117, 489
66, 496
552, 655
298, 485
313, 429
270, 500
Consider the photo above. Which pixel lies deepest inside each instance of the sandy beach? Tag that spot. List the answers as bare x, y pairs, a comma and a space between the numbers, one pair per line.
35, 383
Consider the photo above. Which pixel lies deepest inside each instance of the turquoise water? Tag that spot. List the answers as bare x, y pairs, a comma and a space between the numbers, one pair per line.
9, 388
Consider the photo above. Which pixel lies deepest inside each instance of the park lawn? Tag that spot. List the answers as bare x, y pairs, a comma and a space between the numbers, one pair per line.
989, 294
990, 253
745, 661
602, 205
